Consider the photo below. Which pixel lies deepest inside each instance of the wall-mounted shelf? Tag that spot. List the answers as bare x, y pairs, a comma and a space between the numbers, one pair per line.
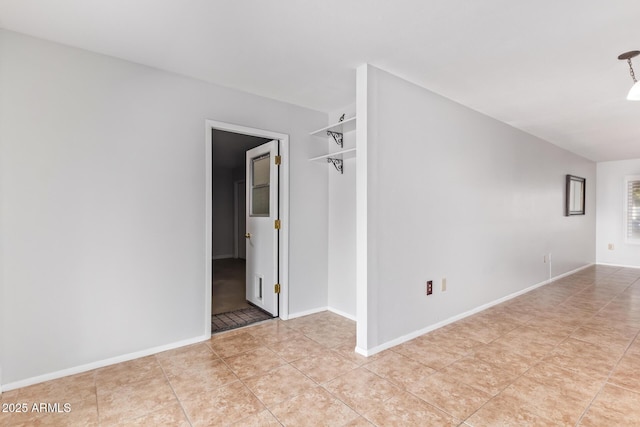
342, 155
340, 127
336, 131
337, 158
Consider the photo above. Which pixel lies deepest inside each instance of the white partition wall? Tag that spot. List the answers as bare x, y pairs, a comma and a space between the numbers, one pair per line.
445, 192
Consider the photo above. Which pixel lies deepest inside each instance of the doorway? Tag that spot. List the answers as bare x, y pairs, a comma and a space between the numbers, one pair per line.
226, 246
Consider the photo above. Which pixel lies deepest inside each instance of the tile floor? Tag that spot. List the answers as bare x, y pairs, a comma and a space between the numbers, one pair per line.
564, 354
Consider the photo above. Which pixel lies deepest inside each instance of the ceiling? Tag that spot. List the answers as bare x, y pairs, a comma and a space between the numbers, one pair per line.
547, 67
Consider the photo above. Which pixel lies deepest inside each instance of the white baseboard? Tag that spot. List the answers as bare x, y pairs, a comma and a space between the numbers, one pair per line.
320, 310
415, 334
569, 273
618, 265
99, 364
307, 312
342, 313
223, 256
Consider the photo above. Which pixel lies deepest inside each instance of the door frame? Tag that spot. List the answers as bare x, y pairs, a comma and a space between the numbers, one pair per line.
283, 261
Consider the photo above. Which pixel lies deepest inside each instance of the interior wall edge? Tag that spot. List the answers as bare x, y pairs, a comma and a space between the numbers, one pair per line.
306, 313
342, 313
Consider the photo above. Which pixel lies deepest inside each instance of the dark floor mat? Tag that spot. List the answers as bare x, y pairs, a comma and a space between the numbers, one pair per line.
237, 318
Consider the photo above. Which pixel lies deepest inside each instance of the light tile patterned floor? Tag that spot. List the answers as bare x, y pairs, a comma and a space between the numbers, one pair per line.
564, 354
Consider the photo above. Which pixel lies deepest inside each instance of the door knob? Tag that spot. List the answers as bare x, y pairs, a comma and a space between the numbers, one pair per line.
247, 235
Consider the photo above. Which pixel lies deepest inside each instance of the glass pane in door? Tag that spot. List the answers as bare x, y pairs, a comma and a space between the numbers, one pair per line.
260, 177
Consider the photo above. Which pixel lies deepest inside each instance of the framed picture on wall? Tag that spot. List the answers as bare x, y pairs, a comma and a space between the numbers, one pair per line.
575, 195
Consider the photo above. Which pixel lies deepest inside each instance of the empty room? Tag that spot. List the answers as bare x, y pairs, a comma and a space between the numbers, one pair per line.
334, 213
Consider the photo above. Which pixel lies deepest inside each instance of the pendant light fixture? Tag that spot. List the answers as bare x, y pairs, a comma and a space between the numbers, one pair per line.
634, 93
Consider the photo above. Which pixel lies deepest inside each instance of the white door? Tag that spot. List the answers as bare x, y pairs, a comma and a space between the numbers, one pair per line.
262, 235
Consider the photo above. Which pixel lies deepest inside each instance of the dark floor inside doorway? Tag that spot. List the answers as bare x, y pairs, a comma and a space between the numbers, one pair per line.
229, 307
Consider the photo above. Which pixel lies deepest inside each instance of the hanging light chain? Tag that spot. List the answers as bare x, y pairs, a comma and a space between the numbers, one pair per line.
633, 76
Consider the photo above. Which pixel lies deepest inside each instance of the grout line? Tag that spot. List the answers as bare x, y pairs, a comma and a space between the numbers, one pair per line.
606, 381
266, 408
95, 387
166, 377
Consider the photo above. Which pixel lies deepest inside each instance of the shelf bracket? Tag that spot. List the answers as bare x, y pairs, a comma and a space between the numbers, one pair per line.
337, 137
337, 163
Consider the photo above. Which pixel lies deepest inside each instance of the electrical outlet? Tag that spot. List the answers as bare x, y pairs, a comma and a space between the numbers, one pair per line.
544, 259
444, 284
429, 287
611, 246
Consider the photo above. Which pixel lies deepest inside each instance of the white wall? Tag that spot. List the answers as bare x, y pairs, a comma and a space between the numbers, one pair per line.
610, 228
224, 182
223, 212
452, 193
342, 225
103, 202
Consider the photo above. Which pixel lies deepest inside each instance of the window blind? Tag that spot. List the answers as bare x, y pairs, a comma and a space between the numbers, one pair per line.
633, 209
